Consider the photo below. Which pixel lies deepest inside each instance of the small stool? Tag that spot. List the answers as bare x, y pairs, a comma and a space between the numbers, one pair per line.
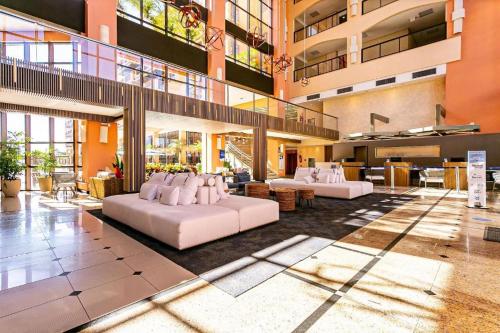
257, 190
306, 195
286, 199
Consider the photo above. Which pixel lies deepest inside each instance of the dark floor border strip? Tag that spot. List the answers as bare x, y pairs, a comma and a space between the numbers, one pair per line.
332, 300
311, 282
353, 250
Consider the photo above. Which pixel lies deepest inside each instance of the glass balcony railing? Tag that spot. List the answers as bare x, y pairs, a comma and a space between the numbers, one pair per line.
52, 48
403, 43
371, 5
315, 28
320, 68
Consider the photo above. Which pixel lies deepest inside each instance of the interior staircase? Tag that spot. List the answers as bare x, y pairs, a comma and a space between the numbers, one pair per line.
246, 159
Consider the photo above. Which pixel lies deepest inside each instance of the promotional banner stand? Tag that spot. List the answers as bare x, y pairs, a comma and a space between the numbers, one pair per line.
476, 178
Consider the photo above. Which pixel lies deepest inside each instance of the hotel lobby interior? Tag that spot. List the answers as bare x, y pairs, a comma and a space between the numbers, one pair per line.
249, 166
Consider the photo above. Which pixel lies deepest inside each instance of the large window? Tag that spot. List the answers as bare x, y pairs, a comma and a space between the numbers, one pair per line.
241, 53
45, 134
250, 15
162, 17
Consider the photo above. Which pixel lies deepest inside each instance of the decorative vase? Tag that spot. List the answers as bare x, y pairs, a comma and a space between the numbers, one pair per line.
45, 184
11, 188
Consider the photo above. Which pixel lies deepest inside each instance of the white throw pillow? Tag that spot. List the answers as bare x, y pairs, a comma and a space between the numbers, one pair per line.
187, 195
179, 179
169, 195
301, 173
219, 185
309, 179
323, 178
148, 191
342, 175
157, 177
168, 180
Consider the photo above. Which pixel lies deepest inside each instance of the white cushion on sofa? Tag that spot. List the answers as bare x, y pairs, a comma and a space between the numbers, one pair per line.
301, 173
252, 212
208, 179
179, 179
169, 195
168, 180
323, 178
157, 177
148, 191
219, 185
309, 179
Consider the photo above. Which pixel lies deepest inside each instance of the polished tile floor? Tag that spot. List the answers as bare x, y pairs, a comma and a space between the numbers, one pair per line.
423, 267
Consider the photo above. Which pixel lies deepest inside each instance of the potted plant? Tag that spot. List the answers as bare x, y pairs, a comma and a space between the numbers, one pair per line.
46, 163
12, 163
118, 165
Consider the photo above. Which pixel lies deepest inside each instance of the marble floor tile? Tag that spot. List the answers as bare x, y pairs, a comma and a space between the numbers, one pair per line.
32, 294
114, 295
88, 259
98, 275
28, 274
55, 316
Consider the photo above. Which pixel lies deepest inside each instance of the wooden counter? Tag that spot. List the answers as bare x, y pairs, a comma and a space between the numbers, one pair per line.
352, 170
450, 177
401, 173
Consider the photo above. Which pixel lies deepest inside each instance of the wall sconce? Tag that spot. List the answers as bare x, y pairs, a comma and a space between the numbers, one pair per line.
103, 133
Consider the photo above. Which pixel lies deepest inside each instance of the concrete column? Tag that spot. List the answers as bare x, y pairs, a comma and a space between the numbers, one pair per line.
260, 153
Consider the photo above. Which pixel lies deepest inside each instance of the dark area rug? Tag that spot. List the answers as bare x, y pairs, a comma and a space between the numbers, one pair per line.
240, 262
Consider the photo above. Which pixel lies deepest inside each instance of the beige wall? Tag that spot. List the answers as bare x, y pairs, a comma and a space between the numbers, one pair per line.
356, 72
306, 152
407, 106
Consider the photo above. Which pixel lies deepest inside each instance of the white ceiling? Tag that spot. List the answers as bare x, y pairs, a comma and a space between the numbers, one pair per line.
16, 97
404, 21
156, 121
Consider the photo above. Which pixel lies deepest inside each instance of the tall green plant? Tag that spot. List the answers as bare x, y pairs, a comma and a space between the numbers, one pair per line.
12, 156
46, 161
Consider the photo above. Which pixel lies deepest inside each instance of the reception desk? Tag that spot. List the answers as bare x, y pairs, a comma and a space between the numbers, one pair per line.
352, 170
401, 173
450, 175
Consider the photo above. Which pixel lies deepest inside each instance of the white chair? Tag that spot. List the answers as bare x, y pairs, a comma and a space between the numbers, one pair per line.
375, 174
496, 180
435, 176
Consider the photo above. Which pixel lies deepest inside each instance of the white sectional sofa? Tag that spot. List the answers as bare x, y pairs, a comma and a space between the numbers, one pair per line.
186, 226
341, 189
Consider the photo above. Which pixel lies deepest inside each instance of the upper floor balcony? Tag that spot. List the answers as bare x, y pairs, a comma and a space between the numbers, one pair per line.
322, 16
371, 5
34, 45
408, 40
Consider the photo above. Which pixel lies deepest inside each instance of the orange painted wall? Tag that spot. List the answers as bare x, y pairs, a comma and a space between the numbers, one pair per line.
95, 155
100, 12
472, 88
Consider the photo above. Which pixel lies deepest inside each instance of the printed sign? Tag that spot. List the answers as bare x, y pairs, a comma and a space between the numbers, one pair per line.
476, 177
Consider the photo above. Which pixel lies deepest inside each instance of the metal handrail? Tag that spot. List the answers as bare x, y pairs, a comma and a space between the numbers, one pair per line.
379, 45
342, 63
143, 57
379, 5
307, 27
